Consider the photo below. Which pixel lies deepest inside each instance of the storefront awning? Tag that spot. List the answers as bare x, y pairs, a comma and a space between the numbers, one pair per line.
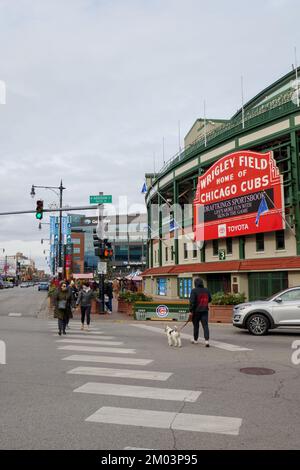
288, 263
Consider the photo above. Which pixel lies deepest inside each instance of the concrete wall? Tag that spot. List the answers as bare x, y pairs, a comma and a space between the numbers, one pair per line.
294, 278
270, 246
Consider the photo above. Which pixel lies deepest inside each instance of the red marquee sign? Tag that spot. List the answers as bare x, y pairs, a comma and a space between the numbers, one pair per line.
240, 194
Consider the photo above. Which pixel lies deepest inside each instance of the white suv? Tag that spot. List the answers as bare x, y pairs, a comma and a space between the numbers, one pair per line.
259, 316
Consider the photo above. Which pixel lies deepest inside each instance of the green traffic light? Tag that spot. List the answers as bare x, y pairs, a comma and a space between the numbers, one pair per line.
39, 215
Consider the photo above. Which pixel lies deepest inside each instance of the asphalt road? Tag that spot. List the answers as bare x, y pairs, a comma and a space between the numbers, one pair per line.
125, 407
25, 301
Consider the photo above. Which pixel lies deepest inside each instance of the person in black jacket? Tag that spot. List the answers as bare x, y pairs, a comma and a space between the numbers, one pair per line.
199, 300
108, 291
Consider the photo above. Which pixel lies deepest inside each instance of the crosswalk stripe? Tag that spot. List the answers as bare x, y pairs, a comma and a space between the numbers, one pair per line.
78, 328
124, 373
136, 391
79, 332
98, 349
90, 341
216, 344
167, 420
76, 336
108, 360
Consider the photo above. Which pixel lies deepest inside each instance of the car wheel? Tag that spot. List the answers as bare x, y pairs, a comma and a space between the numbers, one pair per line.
258, 324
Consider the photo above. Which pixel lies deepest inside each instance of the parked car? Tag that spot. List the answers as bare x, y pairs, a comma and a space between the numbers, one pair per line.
24, 284
260, 316
43, 286
7, 285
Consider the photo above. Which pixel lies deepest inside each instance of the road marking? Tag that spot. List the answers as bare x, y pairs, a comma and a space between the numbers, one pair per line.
96, 349
78, 328
90, 341
15, 314
167, 420
119, 390
108, 360
125, 373
80, 332
76, 336
216, 344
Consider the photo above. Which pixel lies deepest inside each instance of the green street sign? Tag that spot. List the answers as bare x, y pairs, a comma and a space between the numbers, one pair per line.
101, 199
222, 255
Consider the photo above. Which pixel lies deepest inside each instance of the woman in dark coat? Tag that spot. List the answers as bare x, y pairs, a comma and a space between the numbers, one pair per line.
62, 307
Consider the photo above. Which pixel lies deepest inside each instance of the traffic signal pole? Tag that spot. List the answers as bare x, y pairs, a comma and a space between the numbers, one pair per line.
100, 234
60, 261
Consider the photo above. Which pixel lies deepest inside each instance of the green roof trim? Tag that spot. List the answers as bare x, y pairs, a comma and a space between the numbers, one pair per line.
273, 87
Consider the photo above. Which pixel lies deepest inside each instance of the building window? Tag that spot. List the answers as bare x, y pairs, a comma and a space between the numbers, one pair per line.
229, 246
184, 287
166, 253
76, 251
155, 256
76, 241
172, 253
185, 251
215, 247
280, 240
260, 242
264, 284
161, 286
195, 250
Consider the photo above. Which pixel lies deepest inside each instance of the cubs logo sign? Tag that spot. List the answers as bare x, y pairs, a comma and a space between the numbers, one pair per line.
162, 311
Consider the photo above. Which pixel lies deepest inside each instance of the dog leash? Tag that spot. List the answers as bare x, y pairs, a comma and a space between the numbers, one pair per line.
189, 319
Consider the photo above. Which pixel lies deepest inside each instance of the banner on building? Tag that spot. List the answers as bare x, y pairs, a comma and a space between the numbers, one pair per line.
230, 196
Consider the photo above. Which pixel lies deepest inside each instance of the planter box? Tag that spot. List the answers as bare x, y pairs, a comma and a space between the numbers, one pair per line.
168, 310
125, 307
220, 313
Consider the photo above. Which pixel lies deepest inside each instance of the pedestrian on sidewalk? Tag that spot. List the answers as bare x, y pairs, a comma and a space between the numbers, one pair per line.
199, 300
108, 294
62, 307
116, 288
84, 299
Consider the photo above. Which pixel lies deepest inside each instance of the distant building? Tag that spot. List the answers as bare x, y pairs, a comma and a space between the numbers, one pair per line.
127, 234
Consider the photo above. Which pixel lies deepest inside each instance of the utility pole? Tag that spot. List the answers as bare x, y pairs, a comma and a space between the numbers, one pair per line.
60, 262
53, 188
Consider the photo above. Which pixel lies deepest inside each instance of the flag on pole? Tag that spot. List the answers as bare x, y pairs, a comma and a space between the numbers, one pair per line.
263, 207
173, 225
144, 188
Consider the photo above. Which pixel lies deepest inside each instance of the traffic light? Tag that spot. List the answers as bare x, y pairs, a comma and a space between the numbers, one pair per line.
103, 248
96, 243
108, 251
39, 210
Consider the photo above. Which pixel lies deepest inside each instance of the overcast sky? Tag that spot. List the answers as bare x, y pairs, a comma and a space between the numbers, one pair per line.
93, 86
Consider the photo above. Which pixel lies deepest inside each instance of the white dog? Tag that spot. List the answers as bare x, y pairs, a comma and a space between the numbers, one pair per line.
173, 336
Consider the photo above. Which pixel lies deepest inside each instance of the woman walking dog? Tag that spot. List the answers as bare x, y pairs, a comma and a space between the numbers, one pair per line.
199, 300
